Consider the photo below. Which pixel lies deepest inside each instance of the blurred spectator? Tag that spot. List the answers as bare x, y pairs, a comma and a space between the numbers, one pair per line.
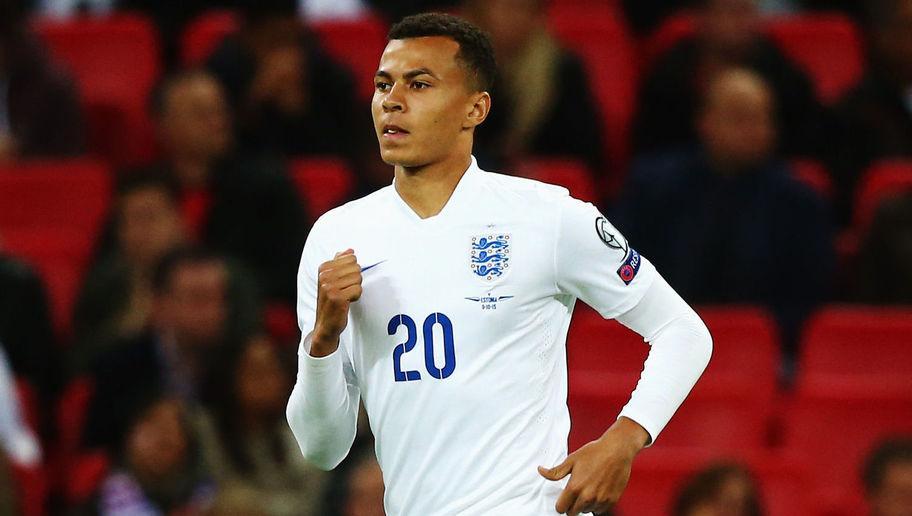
728, 35
395, 10
198, 310
875, 119
247, 442
315, 10
18, 442
726, 222
116, 298
884, 271
72, 8
158, 469
245, 207
645, 16
358, 486
26, 330
887, 477
719, 490
543, 104
290, 97
39, 108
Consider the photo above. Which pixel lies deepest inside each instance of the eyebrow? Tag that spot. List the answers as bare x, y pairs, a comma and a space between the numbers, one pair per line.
411, 74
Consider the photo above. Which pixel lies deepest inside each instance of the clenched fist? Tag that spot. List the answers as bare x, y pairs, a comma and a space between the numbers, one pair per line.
338, 286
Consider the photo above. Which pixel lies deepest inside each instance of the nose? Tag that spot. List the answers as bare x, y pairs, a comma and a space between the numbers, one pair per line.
394, 101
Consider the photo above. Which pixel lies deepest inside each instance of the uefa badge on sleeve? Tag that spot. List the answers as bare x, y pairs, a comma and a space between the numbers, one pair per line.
489, 256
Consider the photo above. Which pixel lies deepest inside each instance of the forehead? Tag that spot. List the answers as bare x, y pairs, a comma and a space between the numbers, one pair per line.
436, 53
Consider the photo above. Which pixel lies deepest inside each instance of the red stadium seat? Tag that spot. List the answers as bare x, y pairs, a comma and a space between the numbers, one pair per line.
659, 475
881, 181
50, 213
601, 39
28, 403
202, 35
569, 173
60, 257
717, 422
667, 35
58, 194
832, 436
857, 352
71, 413
357, 44
323, 183
813, 174
85, 476
827, 46
116, 62
745, 356
729, 409
32, 490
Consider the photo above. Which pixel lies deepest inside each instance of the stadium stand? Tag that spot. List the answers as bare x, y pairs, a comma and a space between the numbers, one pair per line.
116, 62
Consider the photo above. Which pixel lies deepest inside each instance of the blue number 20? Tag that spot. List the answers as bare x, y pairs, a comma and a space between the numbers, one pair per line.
449, 351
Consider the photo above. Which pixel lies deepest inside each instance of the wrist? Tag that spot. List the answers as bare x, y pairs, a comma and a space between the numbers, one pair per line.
630, 432
322, 343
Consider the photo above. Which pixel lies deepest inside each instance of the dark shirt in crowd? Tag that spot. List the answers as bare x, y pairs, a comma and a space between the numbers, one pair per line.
759, 237
884, 271
570, 126
873, 122
670, 100
327, 125
250, 212
26, 329
39, 105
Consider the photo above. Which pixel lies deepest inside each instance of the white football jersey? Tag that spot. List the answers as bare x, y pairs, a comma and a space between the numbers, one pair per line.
457, 345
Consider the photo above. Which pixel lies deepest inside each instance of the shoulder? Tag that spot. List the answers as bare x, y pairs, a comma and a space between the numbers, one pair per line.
522, 189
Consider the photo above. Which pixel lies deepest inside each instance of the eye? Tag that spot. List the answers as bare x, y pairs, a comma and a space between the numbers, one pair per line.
381, 86
420, 85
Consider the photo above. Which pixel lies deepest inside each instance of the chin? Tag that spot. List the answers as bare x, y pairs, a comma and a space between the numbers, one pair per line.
400, 157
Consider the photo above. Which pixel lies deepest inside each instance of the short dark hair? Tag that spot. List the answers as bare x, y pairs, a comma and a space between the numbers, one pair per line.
476, 53
888, 452
706, 483
184, 255
148, 179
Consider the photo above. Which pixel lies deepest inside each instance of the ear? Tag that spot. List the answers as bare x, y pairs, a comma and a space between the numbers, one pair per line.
478, 110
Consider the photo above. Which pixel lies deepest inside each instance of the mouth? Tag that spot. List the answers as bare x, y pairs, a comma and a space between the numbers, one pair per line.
394, 132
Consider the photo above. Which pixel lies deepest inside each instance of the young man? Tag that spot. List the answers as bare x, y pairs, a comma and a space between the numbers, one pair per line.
450, 321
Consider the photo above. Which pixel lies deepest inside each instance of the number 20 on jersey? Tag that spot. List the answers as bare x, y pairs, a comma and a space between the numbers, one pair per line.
427, 333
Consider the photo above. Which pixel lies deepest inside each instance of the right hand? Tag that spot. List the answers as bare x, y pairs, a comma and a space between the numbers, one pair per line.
338, 286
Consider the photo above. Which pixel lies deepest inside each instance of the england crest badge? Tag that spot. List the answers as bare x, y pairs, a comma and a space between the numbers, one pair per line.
489, 256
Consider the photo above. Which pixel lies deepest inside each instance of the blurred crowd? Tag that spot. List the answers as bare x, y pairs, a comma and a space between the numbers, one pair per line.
177, 351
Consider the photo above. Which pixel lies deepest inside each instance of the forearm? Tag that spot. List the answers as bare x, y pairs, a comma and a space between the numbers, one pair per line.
323, 408
680, 350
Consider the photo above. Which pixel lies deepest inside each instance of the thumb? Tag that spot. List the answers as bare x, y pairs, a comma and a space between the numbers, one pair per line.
343, 253
557, 472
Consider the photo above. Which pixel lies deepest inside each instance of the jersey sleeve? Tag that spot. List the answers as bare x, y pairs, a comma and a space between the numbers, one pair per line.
322, 410
595, 263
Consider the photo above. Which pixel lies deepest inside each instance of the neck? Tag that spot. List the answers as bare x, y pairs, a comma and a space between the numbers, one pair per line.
427, 188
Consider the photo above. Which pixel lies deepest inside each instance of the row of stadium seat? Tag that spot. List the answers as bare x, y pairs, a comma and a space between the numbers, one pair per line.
854, 387
116, 60
50, 211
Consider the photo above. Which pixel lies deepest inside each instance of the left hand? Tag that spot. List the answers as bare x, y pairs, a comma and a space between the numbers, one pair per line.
598, 471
